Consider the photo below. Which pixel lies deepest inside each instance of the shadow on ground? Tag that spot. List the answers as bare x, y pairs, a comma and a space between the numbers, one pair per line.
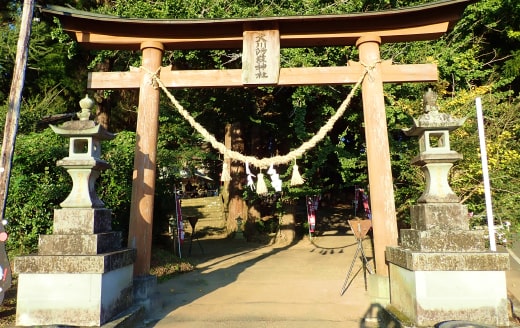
218, 262
238, 284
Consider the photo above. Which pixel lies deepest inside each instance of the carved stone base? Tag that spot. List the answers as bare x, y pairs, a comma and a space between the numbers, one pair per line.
81, 275
431, 287
73, 299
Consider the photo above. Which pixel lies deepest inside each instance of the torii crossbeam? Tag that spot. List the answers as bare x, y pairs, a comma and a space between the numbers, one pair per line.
364, 30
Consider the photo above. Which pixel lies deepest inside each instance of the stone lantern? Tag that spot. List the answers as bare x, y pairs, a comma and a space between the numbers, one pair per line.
438, 269
83, 163
81, 275
435, 156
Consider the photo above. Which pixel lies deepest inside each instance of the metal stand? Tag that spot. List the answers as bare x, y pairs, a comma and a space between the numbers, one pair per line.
174, 232
360, 228
193, 222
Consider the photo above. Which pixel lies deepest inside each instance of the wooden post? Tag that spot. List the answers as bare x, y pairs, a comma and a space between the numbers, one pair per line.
15, 98
143, 187
384, 222
11, 127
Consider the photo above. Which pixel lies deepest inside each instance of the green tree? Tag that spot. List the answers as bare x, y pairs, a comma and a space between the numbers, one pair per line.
36, 189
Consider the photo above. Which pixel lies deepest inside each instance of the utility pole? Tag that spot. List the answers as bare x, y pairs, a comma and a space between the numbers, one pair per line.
11, 127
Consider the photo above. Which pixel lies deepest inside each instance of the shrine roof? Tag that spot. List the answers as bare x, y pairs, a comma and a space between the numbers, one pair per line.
418, 23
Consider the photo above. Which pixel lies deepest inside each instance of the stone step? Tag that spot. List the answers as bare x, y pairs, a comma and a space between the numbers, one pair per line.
201, 212
203, 208
92, 244
216, 200
100, 263
211, 223
210, 214
203, 216
206, 223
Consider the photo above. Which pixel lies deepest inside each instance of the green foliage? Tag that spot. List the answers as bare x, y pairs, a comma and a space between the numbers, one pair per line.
51, 76
502, 132
268, 226
37, 186
8, 39
232, 8
114, 186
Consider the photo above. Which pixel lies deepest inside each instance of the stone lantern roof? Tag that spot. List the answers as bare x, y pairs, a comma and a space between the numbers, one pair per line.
432, 119
433, 129
84, 126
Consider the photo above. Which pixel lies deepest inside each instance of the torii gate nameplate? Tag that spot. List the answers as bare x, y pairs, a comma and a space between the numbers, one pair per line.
261, 57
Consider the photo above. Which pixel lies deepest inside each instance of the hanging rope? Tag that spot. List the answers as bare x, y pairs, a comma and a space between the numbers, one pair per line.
275, 160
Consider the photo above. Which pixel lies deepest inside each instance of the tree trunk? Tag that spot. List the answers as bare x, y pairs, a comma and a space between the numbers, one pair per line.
104, 106
224, 190
237, 207
287, 228
254, 213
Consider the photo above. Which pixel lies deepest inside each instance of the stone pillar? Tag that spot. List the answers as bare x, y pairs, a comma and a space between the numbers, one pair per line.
442, 270
81, 275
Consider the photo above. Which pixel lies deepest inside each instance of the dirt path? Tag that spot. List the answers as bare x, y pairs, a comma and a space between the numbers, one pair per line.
240, 284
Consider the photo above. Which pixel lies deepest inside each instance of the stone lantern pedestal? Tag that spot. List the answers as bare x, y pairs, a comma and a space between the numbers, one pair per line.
81, 275
441, 269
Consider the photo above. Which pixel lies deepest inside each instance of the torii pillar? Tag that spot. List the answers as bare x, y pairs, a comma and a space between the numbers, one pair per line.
384, 224
143, 186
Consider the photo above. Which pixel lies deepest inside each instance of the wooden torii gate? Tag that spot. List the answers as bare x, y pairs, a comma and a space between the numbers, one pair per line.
260, 40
